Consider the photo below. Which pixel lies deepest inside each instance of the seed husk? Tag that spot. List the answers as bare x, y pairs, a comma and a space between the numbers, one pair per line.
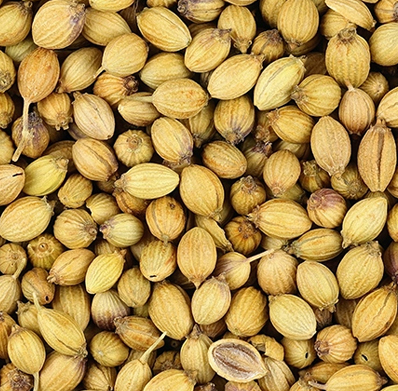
380, 307
236, 360
377, 157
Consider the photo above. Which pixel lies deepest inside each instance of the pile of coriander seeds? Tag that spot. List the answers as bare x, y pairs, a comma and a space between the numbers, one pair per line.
198, 195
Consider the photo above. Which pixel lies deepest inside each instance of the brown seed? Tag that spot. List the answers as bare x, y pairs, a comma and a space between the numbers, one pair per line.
179, 98
208, 49
224, 159
364, 221
162, 67
61, 372
34, 89
326, 208
75, 301
200, 12
93, 116
99, 377
60, 331
387, 347
317, 285
281, 171
201, 125
193, 356
148, 181
279, 375
332, 23
136, 111
70, 267
75, 228
335, 344
268, 43
21, 339
45, 175
276, 82
7, 109
102, 206
107, 306
169, 309
361, 376
317, 95
196, 263
105, 6
356, 110
171, 378
349, 184
290, 17
299, 354
247, 313
348, 57
39, 140
79, 69
12, 257
94, 159
6, 323
12, 180
25, 218
165, 218
355, 11
108, 349
202, 191
241, 23
7, 72
16, 21
292, 316
101, 27
137, 332
103, 272
334, 154
281, 218
236, 360
319, 244
290, 124
248, 66
122, 230
367, 353
234, 119
158, 260
276, 273
376, 86
124, 55
377, 157
360, 270
56, 25
379, 307
174, 34
133, 288
34, 282
172, 141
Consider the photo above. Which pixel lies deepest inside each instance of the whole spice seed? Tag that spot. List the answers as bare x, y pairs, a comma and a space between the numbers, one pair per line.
136, 188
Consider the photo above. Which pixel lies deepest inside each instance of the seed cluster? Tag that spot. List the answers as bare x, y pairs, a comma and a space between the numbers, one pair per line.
198, 195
